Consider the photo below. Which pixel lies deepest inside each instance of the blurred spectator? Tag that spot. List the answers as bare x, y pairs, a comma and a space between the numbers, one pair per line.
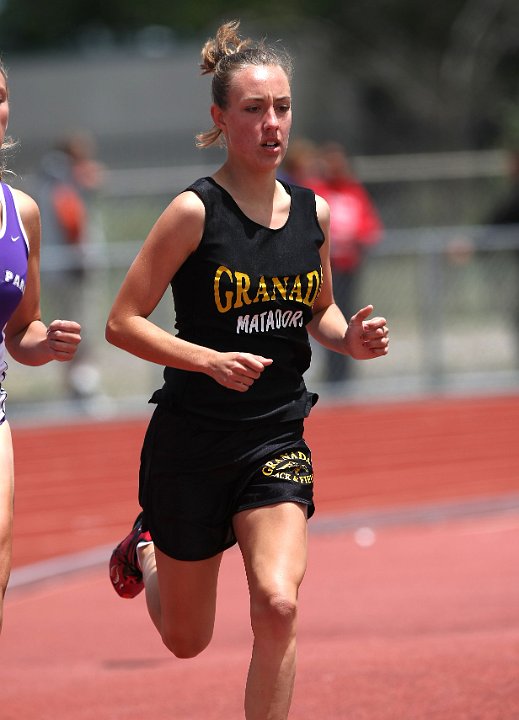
300, 165
507, 213
354, 226
69, 178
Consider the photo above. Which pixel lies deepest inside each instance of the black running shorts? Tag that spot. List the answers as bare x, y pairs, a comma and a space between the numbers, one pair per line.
194, 479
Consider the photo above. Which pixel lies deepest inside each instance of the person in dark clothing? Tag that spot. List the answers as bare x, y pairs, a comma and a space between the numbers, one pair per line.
224, 459
505, 217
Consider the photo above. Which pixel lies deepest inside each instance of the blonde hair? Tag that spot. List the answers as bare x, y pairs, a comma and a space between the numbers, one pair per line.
8, 142
226, 54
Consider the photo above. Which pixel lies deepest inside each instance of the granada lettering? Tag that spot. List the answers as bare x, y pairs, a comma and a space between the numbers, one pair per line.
234, 289
286, 458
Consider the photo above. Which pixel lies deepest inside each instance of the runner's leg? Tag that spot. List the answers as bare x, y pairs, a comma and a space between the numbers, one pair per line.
273, 542
6, 508
181, 599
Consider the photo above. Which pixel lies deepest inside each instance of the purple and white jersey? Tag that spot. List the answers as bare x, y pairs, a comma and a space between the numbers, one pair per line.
14, 252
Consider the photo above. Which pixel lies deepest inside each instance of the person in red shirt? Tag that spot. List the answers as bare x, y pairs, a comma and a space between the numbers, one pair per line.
354, 227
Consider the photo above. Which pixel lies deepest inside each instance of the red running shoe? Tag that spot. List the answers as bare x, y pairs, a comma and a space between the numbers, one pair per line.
125, 573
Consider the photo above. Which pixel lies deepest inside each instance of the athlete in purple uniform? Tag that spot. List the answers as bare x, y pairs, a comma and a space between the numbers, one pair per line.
224, 460
22, 332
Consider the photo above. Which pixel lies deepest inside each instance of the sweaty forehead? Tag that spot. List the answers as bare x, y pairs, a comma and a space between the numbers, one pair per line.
260, 80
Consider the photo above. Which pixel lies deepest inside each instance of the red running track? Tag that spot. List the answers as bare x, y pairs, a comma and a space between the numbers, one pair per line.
406, 622
76, 484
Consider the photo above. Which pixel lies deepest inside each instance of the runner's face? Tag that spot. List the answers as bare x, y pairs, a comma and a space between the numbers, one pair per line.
256, 124
4, 107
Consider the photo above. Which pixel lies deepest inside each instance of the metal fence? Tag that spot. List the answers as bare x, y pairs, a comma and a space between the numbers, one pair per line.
450, 294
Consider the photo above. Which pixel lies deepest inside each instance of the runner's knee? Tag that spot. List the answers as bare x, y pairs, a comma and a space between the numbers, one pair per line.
273, 615
184, 644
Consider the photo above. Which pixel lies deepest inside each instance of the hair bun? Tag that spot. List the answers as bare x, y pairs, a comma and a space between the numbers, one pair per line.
226, 42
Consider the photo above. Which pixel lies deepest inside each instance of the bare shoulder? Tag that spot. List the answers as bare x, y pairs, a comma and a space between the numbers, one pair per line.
323, 212
183, 219
29, 214
189, 206
26, 204
322, 208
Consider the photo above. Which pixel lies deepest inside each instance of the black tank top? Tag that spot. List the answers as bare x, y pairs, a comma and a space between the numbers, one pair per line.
248, 288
